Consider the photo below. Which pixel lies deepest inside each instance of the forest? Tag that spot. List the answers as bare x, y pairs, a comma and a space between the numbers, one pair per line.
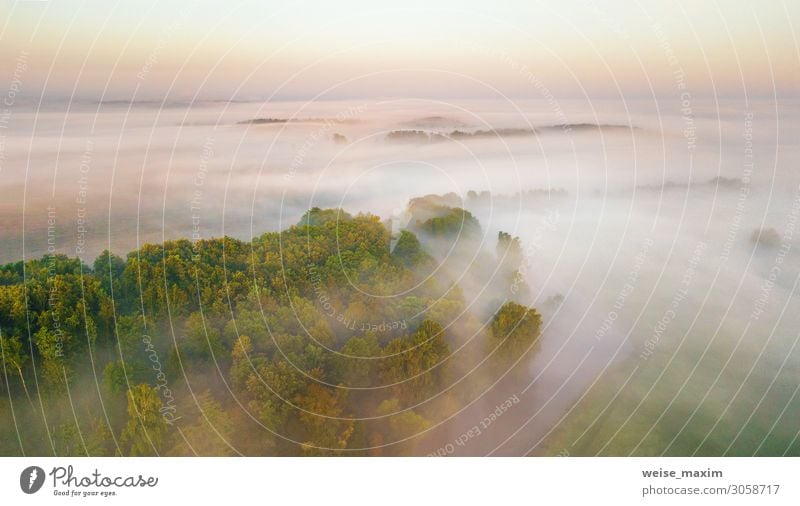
336, 336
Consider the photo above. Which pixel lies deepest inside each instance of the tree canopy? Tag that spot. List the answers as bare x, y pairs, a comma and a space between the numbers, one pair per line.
316, 340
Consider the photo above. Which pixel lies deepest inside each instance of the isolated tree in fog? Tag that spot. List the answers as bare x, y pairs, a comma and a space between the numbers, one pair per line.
509, 249
513, 330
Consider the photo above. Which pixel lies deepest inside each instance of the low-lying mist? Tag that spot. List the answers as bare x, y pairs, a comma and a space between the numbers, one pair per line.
659, 248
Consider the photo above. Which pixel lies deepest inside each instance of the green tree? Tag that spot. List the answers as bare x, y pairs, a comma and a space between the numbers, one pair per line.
323, 426
513, 330
143, 435
108, 268
408, 249
416, 364
357, 363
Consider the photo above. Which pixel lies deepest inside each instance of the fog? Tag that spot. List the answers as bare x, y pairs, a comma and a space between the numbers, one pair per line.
668, 327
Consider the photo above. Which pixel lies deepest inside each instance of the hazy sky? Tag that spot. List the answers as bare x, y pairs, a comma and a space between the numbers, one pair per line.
174, 49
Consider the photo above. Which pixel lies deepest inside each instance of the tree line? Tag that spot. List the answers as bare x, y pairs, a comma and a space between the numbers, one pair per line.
316, 340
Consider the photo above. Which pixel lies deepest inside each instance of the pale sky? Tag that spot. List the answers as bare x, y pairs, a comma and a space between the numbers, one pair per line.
148, 49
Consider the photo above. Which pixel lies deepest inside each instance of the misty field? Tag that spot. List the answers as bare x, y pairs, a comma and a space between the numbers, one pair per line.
400, 277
